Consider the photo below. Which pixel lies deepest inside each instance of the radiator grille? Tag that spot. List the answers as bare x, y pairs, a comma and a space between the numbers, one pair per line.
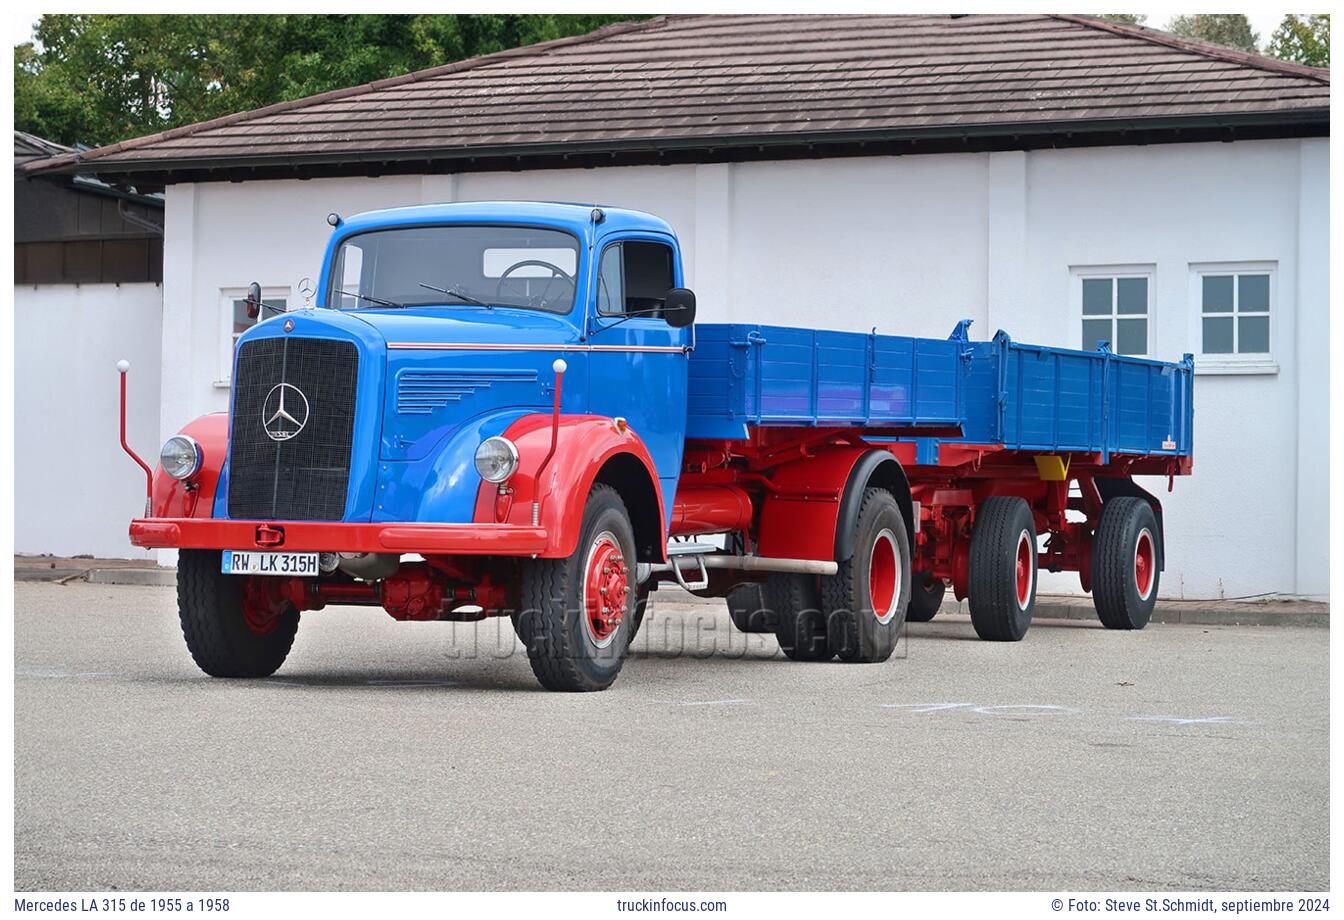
303, 391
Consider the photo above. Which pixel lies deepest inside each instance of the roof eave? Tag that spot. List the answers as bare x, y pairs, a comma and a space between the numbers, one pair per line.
1030, 134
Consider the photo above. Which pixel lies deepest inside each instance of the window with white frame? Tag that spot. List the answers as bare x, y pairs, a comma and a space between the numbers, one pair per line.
233, 309
1235, 310
1114, 306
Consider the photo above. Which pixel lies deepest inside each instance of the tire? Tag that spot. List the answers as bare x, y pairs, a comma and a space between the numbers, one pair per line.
866, 600
1002, 569
926, 597
572, 646
1125, 564
800, 626
637, 615
210, 607
748, 610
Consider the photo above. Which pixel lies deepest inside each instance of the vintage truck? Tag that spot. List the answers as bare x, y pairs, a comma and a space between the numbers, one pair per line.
506, 408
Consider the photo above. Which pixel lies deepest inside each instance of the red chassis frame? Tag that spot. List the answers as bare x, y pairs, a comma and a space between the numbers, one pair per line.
796, 480
781, 491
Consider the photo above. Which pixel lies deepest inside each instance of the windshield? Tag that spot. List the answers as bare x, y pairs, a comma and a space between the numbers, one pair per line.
462, 267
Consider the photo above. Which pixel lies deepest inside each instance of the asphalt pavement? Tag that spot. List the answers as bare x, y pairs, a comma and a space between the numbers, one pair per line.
423, 756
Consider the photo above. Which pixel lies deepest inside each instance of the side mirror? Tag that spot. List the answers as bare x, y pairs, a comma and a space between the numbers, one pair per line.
679, 308
253, 300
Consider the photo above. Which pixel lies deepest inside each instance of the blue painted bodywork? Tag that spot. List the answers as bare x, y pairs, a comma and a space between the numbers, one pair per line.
422, 411
425, 402
1021, 397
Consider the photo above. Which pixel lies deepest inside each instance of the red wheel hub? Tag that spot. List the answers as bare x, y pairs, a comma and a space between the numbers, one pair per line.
1145, 564
1026, 568
606, 589
884, 577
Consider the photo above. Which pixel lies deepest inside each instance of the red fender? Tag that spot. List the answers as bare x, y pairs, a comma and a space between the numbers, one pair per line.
799, 515
172, 498
584, 444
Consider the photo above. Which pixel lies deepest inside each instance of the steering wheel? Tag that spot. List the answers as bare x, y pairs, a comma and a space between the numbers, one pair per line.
539, 300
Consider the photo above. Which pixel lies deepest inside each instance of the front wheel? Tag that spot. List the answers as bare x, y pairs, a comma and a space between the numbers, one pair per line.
578, 612
227, 631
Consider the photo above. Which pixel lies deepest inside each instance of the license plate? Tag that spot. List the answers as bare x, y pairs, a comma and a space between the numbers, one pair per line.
248, 562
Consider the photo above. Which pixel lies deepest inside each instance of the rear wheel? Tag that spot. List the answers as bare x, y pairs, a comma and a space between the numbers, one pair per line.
800, 626
228, 632
1002, 569
866, 600
577, 615
1125, 567
748, 610
926, 597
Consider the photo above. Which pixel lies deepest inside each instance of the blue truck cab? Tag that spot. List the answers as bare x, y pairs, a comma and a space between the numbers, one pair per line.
506, 409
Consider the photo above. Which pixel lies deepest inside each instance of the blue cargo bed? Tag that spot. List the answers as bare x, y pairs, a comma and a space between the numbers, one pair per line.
1020, 397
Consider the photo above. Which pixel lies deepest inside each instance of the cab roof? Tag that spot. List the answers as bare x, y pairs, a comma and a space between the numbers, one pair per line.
572, 216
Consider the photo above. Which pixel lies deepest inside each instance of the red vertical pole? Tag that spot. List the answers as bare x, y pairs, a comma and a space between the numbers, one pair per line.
122, 367
559, 366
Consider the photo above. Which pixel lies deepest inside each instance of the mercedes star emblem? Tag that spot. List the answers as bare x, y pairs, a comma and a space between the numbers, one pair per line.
284, 412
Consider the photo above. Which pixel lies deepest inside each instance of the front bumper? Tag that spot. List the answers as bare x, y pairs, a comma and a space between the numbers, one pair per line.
328, 537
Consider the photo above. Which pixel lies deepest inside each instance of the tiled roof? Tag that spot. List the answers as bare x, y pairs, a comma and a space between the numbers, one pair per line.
31, 147
719, 82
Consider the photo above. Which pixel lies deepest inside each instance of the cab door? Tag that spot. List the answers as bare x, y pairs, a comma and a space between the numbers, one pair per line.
638, 363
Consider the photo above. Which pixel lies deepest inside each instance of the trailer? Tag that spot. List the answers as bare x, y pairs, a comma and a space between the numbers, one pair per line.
507, 409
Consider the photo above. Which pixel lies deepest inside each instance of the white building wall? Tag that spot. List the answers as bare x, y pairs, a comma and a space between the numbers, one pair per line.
75, 491
910, 245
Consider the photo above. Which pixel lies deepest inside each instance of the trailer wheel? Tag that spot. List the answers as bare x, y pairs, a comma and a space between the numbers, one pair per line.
1002, 569
224, 640
578, 611
800, 626
749, 611
866, 600
926, 597
1125, 570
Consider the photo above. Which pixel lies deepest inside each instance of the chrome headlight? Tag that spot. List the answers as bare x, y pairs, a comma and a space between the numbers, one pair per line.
181, 457
496, 459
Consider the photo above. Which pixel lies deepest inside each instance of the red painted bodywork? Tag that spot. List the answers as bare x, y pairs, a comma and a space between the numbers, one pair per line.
194, 498
583, 444
799, 513
325, 536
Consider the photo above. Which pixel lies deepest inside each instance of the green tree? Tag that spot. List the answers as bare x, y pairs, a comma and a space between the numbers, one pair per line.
1303, 38
1131, 19
100, 78
1231, 30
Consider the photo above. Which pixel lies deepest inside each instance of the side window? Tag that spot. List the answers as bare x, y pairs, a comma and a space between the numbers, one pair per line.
610, 289
1234, 313
1115, 309
634, 277
236, 321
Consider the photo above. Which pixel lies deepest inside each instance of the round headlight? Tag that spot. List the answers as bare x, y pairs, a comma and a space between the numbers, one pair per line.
496, 459
181, 457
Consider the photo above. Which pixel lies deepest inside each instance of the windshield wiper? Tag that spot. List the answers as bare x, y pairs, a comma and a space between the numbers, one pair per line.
383, 303
459, 295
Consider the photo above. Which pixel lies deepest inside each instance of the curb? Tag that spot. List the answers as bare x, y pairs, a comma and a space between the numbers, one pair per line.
154, 577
